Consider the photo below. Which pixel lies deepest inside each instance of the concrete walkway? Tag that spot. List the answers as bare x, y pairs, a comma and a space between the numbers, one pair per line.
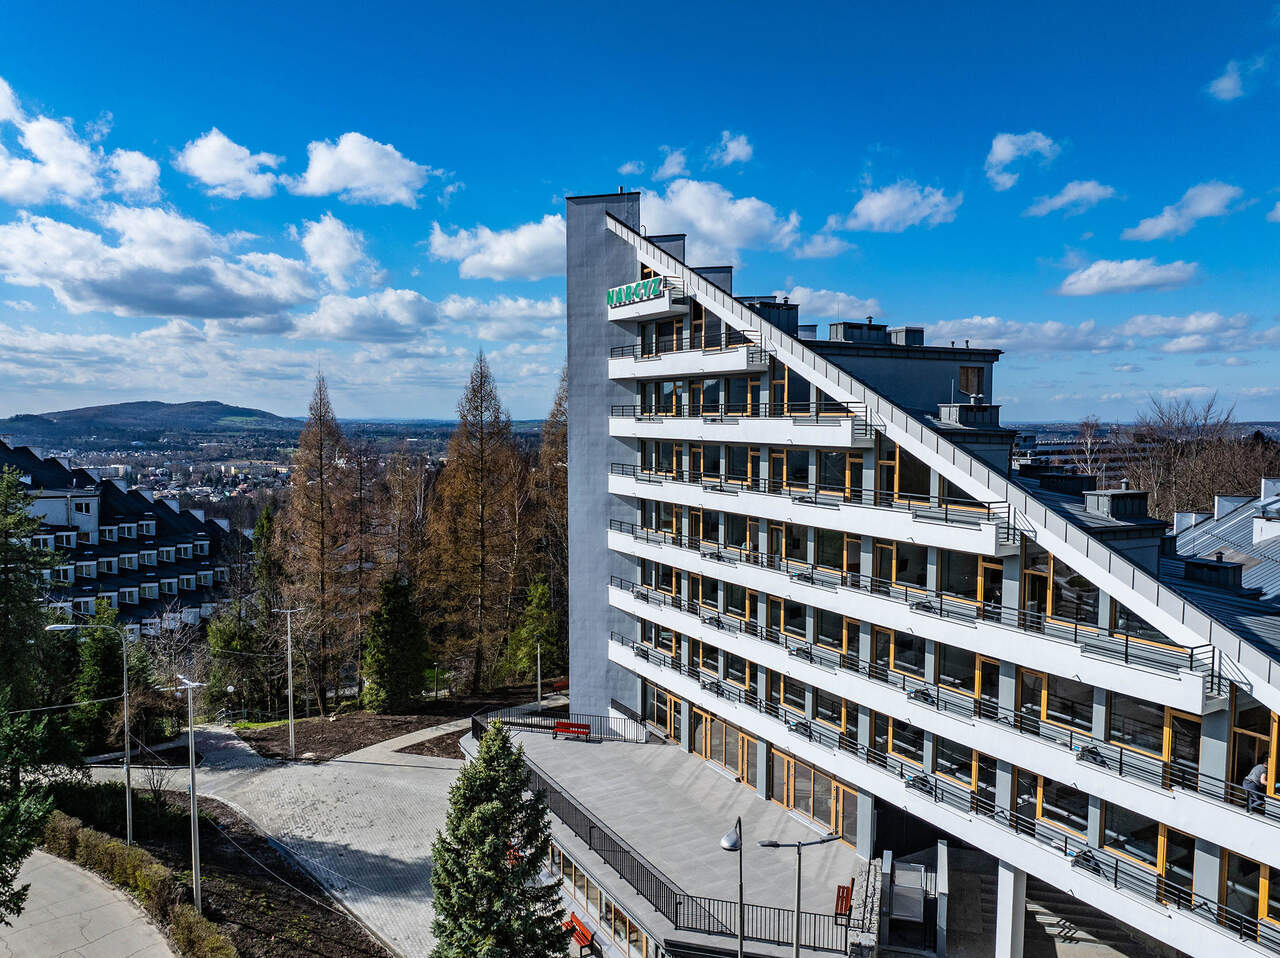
72, 913
362, 824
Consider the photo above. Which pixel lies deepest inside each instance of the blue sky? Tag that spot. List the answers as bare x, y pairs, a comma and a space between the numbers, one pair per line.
214, 205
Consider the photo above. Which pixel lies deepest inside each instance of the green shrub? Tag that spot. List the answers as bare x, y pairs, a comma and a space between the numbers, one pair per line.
157, 888
60, 834
90, 849
197, 937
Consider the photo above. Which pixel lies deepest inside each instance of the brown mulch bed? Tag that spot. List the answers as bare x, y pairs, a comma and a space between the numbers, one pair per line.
319, 739
263, 916
442, 746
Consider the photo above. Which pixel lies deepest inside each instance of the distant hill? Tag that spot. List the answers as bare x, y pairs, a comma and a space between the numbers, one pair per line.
146, 420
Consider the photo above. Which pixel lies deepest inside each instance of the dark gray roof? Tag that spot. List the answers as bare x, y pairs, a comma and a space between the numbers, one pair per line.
1232, 535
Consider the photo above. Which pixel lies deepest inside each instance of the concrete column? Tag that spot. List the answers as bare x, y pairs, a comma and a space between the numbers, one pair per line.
762, 769
865, 839
869, 469
1206, 880
929, 748
864, 649
1104, 611
1012, 584
930, 660
1215, 741
932, 574
1011, 910
1005, 784
1093, 831
686, 726
1099, 728
810, 703
1008, 686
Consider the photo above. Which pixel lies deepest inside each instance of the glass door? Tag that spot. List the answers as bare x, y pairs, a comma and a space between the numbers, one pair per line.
990, 588
1182, 747
989, 686
1035, 600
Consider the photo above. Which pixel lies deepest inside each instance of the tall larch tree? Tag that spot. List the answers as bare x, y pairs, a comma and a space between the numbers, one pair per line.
474, 528
314, 536
551, 490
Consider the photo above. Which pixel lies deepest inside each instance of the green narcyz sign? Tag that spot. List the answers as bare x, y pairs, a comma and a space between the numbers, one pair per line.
634, 292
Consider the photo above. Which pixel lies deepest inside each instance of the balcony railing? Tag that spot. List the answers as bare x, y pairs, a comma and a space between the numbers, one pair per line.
807, 411
1091, 639
662, 345
1085, 747
711, 916
929, 508
1103, 865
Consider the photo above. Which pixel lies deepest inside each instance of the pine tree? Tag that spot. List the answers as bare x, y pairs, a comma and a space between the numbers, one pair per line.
475, 526
100, 677
24, 802
489, 899
22, 615
395, 649
314, 533
539, 628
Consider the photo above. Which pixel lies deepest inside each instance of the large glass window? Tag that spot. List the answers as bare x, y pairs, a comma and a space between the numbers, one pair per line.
829, 629
957, 668
1074, 596
908, 654
830, 548
1064, 805
953, 759
794, 619
798, 467
735, 599
1132, 834
796, 542
735, 531
960, 574
793, 694
1136, 723
829, 708
737, 669
911, 565
913, 476
906, 741
737, 459
1069, 702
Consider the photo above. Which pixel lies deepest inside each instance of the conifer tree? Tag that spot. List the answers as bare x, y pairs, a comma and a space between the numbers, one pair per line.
314, 536
100, 677
539, 627
24, 801
395, 649
22, 615
552, 495
475, 524
489, 900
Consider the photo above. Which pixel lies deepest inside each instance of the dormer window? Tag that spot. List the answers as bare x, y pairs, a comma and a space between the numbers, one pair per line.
185, 550
150, 590
187, 582
108, 533
148, 556
167, 554
129, 596
169, 586
66, 540
147, 527
129, 561
85, 606
109, 598
64, 573
87, 569
205, 578
42, 542
202, 547
220, 574
107, 566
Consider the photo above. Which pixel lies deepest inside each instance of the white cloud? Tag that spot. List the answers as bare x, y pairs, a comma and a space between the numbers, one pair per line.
163, 265
449, 191
1008, 147
1274, 215
388, 315
61, 167
632, 168
995, 332
134, 175
1126, 276
732, 149
830, 304
21, 305
821, 246
228, 169
1127, 368
673, 164
336, 250
718, 224
516, 318
529, 251
361, 170
893, 209
1200, 202
1228, 86
1194, 333
1076, 197
10, 112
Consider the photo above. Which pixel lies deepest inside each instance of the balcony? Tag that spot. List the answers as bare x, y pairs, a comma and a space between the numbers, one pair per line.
1168, 792
1186, 678
651, 298
1109, 882
830, 424
963, 525
632, 807
670, 357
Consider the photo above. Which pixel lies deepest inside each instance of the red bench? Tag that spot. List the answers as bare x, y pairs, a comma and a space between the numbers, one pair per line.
559, 686
572, 728
844, 902
583, 936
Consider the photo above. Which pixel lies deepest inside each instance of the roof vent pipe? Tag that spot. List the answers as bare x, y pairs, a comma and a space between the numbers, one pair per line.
1124, 483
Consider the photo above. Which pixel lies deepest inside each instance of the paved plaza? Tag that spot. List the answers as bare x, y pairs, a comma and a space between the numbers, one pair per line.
72, 913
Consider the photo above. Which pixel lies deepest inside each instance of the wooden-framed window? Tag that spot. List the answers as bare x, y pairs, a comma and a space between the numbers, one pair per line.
1062, 805
737, 670
881, 647
906, 654
911, 565
1254, 734
787, 692
830, 709
955, 761
906, 741
1252, 889
798, 470
834, 631
839, 473
662, 710
706, 657
795, 543
1052, 588
809, 791
1054, 699
717, 741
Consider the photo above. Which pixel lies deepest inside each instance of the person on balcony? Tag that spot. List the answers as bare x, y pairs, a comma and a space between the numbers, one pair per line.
1255, 786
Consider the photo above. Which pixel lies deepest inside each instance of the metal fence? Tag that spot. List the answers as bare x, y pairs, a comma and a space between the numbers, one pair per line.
712, 916
1104, 865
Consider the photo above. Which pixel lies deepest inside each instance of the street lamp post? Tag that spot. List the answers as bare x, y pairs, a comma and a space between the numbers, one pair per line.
799, 847
539, 675
288, 638
188, 686
128, 739
732, 842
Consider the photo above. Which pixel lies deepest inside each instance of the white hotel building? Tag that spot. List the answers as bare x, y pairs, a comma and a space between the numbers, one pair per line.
810, 561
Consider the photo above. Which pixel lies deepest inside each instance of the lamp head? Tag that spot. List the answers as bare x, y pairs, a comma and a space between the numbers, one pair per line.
770, 843
59, 627
732, 841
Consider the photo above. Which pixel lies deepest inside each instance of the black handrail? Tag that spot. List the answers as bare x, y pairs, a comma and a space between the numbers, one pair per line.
820, 411
948, 509
1120, 761
1090, 638
1109, 867
661, 345
686, 912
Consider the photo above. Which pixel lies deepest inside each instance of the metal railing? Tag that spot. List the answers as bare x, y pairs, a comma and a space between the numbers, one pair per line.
1091, 639
606, 728
1129, 583
1085, 747
713, 916
928, 508
1115, 870
662, 345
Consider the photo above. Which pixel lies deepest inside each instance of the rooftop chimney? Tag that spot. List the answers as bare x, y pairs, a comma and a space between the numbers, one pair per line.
1214, 572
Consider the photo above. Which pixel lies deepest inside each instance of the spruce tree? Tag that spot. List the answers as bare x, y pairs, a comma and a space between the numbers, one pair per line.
395, 649
22, 615
539, 627
24, 800
101, 676
489, 899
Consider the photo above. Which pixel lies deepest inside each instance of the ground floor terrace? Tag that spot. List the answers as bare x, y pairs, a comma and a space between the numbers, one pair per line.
637, 824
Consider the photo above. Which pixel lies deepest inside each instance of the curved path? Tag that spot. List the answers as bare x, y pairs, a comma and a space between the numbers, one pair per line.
72, 913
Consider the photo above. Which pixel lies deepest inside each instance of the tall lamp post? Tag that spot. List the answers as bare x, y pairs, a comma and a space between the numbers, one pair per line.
288, 639
128, 739
799, 847
186, 685
732, 842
